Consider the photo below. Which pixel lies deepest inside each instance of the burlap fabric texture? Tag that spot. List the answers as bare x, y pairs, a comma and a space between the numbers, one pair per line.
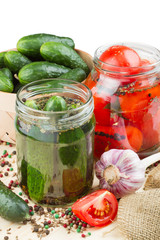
139, 215
153, 179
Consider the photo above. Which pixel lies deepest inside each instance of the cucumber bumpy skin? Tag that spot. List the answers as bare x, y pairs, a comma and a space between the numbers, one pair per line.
2, 64
40, 70
76, 74
31, 104
73, 146
8, 73
55, 103
6, 85
14, 60
30, 45
63, 55
12, 207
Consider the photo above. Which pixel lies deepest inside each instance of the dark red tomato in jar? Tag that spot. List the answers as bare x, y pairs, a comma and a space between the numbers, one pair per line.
121, 58
119, 137
146, 66
149, 125
136, 101
97, 209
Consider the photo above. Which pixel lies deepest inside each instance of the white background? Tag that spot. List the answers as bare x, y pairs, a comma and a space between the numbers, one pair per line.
90, 23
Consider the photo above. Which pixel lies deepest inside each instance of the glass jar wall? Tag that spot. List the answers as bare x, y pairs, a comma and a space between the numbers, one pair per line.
55, 149
127, 101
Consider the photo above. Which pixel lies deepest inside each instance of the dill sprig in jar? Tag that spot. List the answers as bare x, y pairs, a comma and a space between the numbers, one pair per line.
55, 148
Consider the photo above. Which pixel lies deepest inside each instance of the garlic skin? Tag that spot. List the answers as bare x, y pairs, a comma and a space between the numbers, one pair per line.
120, 172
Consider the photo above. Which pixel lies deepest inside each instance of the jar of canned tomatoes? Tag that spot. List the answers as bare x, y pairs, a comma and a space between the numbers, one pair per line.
125, 83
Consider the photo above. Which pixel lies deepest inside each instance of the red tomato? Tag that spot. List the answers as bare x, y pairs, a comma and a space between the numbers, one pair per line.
134, 105
97, 209
149, 125
146, 63
121, 56
119, 137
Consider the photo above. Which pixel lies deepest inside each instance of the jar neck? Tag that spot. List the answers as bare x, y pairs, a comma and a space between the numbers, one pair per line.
144, 51
55, 120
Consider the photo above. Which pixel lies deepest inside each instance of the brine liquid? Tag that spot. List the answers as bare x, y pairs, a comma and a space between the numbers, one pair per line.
51, 171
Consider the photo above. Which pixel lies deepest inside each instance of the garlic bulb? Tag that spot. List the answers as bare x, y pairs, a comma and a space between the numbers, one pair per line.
121, 171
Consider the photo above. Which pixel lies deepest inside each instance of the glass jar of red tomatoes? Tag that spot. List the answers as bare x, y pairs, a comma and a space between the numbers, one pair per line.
125, 83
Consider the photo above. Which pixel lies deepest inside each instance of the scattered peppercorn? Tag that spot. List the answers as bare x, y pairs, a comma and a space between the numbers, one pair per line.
53, 211
56, 216
47, 232
6, 238
46, 226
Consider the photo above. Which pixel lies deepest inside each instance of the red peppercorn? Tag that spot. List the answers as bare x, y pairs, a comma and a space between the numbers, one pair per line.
83, 235
11, 181
65, 225
1, 175
62, 215
26, 200
49, 222
84, 225
7, 169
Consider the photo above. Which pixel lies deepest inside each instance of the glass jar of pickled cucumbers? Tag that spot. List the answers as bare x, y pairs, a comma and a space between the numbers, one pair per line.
54, 140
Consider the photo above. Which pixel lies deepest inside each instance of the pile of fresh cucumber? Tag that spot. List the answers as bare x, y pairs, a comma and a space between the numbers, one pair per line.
40, 56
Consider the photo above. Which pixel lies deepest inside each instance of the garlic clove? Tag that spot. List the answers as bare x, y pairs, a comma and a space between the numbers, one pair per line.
120, 172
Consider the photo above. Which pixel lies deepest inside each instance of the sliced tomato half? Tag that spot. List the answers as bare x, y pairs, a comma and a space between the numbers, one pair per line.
97, 209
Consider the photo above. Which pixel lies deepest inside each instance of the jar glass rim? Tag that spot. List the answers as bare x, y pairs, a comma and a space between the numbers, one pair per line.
34, 84
150, 68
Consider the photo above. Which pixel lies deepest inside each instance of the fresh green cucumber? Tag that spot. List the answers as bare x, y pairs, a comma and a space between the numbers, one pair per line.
8, 73
76, 74
62, 54
14, 60
55, 103
12, 207
6, 85
31, 104
40, 70
74, 144
2, 64
39, 168
30, 45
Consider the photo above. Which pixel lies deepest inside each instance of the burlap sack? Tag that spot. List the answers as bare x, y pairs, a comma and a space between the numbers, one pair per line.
139, 215
153, 179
